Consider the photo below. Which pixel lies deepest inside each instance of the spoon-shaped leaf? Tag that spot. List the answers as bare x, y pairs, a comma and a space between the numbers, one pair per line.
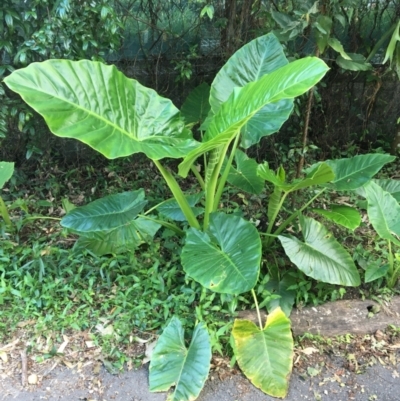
227, 257
172, 364
265, 356
99, 106
107, 213
320, 256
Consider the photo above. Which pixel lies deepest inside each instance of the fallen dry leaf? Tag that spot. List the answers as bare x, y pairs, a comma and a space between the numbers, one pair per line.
309, 350
3, 356
149, 351
33, 379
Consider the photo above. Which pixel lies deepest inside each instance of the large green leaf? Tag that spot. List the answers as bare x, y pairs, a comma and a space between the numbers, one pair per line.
257, 58
346, 216
106, 213
99, 106
352, 173
388, 185
320, 256
196, 106
172, 210
383, 212
172, 364
265, 356
120, 239
6, 171
227, 257
288, 82
244, 176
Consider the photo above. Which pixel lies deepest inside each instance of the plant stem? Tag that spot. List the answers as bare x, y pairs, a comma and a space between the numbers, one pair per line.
273, 218
296, 213
166, 224
199, 177
178, 195
224, 177
304, 140
211, 186
41, 218
4, 212
257, 309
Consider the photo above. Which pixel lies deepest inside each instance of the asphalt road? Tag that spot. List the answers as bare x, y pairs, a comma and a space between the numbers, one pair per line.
331, 382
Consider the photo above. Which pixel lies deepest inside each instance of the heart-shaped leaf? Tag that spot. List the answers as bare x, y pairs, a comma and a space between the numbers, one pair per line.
265, 356
375, 271
244, 176
346, 216
106, 213
383, 212
99, 106
172, 364
227, 257
320, 256
257, 58
171, 209
244, 103
388, 185
126, 237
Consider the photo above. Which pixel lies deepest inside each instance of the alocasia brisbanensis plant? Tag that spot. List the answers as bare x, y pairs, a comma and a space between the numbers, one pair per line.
251, 97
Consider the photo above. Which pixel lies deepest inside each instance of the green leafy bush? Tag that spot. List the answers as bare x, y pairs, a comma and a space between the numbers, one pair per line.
251, 97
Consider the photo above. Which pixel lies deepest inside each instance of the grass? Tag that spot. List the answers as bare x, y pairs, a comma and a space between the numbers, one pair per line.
48, 288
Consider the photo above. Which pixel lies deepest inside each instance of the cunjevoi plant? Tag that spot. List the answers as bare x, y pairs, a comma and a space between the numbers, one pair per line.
251, 97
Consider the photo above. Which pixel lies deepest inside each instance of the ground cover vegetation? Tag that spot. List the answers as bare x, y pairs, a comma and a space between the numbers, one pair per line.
220, 243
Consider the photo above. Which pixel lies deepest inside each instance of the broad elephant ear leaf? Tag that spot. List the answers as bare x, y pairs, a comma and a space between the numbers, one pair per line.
244, 103
196, 106
6, 172
172, 210
389, 185
121, 239
383, 212
99, 106
226, 258
352, 173
107, 213
257, 58
265, 356
320, 256
172, 364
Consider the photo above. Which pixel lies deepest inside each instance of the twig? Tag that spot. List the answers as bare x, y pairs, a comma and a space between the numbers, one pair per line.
24, 375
